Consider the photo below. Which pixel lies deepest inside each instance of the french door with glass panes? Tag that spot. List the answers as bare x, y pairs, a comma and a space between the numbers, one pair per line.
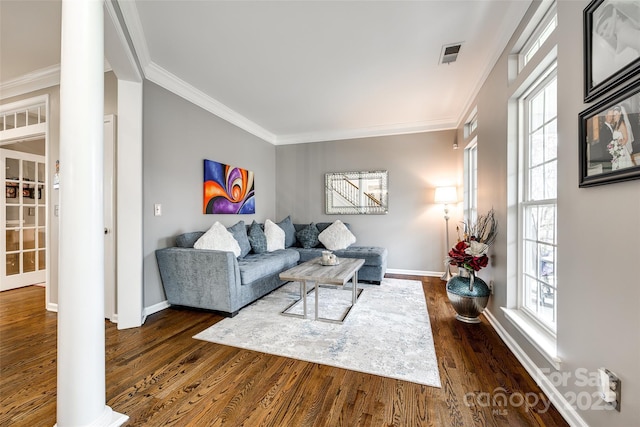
23, 213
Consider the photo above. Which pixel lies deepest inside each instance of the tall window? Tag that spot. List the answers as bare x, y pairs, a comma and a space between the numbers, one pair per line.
471, 182
471, 126
538, 203
537, 39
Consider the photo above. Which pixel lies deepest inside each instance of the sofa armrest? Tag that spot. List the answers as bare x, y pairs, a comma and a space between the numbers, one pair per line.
200, 278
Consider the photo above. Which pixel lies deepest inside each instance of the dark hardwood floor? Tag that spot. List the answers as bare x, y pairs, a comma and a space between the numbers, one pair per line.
159, 375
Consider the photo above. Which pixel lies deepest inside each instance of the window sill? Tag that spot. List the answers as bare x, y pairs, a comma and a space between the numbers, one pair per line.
542, 340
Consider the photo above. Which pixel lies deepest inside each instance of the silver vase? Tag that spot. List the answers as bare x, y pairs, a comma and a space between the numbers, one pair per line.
468, 295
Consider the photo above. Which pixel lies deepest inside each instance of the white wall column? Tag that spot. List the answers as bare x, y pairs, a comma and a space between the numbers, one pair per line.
129, 205
81, 322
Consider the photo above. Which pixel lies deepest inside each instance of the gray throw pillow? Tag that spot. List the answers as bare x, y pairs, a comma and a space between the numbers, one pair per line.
239, 232
257, 238
289, 231
187, 240
308, 236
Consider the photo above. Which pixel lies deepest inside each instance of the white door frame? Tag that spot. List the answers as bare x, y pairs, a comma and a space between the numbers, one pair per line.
8, 136
110, 225
37, 276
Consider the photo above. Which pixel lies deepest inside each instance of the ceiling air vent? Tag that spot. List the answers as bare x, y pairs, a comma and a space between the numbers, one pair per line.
450, 53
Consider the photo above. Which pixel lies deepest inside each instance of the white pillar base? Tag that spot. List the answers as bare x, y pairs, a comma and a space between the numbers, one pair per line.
109, 418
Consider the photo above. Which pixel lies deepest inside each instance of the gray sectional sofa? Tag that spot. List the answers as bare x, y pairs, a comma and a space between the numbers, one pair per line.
219, 281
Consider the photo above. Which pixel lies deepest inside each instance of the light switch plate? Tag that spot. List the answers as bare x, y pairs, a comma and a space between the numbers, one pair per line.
610, 388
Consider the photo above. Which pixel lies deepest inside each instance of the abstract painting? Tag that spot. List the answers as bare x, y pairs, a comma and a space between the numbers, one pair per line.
228, 189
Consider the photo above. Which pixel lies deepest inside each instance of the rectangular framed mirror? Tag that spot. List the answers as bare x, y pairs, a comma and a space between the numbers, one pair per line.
357, 193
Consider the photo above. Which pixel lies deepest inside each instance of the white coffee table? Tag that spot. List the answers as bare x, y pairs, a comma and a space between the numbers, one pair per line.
315, 273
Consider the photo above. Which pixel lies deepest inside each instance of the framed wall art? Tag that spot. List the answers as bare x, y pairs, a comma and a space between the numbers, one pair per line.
228, 189
611, 45
609, 132
12, 191
357, 193
27, 192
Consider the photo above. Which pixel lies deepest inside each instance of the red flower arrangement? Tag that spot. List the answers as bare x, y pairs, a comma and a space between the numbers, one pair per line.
460, 257
471, 250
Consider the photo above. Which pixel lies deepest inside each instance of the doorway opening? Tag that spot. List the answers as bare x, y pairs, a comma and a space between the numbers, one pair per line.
24, 211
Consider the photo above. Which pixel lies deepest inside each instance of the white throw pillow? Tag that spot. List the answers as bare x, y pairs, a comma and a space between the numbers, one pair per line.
275, 236
218, 238
336, 236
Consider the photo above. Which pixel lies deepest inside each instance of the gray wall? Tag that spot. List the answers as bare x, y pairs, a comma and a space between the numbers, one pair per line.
598, 235
178, 136
413, 230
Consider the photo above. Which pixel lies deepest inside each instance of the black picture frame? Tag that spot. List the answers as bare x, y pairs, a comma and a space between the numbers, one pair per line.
28, 192
12, 191
597, 164
609, 58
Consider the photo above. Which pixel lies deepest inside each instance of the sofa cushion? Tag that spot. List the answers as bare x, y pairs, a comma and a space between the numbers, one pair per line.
257, 239
218, 238
337, 236
308, 236
187, 240
275, 236
289, 232
239, 232
323, 225
256, 266
372, 255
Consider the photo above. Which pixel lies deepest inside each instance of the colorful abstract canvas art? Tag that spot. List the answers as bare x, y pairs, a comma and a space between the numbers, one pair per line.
228, 189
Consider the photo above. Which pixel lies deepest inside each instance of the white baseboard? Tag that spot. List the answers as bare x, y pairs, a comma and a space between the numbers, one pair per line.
415, 272
147, 311
154, 309
54, 307
559, 401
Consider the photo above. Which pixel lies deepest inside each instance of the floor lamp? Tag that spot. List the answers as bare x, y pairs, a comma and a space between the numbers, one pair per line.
446, 196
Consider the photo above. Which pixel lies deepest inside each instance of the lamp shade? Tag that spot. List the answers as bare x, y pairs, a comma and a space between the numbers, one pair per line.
446, 195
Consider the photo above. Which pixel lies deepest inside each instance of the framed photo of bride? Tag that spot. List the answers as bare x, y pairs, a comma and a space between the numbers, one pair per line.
611, 44
609, 135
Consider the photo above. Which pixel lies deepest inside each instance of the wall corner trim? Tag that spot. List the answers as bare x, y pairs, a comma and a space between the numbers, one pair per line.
155, 308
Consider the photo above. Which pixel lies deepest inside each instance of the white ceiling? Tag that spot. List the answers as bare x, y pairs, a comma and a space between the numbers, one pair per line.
296, 71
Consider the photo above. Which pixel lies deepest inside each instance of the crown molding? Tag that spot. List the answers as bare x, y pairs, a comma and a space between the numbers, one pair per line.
30, 82
36, 80
122, 51
173, 84
134, 28
370, 132
50, 76
170, 82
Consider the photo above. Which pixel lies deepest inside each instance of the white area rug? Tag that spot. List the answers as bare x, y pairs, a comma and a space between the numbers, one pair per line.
387, 332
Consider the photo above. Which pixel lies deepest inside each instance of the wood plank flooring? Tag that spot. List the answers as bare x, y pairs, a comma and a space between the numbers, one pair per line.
160, 376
